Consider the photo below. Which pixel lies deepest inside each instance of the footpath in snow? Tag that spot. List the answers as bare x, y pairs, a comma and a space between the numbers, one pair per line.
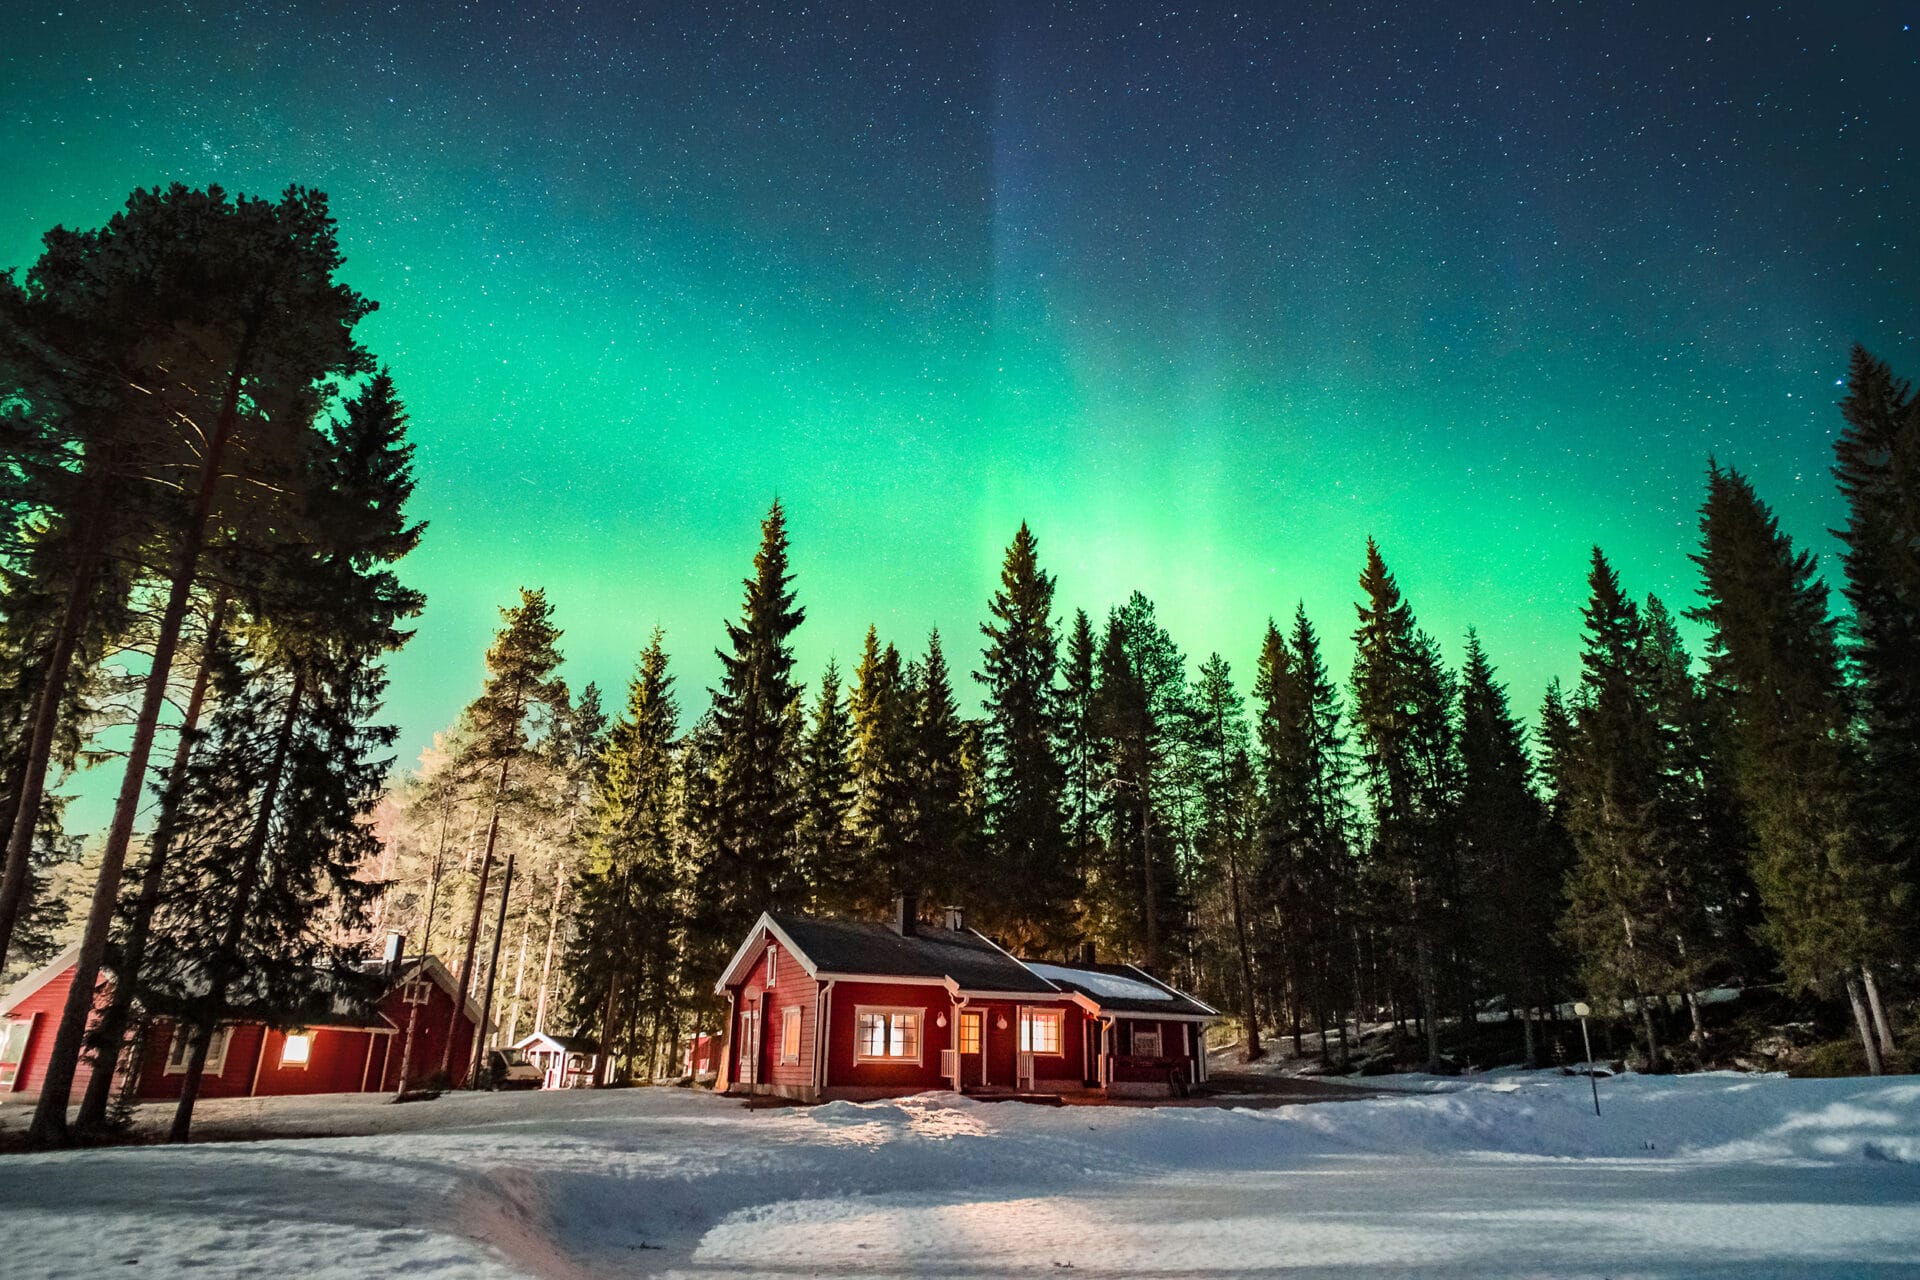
1714, 1176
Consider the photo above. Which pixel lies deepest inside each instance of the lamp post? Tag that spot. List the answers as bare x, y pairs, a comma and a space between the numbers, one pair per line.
1582, 1011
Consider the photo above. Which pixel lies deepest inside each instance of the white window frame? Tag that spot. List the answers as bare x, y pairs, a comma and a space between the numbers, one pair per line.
773, 964
8, 1026
308, 1037
1159, 1042
790, 1020
180, 1050
978, 1021
1057, 1019
748, 1051
919, 1056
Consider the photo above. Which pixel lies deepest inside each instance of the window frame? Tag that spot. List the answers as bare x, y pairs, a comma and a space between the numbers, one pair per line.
773, 965
889, 1012
790, 1026
19, 1063
306, 1037
180, 1050
1056, 1018
1159, 1041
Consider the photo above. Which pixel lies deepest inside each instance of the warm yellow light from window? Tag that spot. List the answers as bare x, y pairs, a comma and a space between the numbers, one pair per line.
297, 1050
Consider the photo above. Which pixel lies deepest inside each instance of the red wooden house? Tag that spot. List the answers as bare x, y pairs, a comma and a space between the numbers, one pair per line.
908, 1007
348, 1051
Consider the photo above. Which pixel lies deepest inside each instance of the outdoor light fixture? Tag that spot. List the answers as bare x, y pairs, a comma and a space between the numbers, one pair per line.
940, 1021
1001, 1022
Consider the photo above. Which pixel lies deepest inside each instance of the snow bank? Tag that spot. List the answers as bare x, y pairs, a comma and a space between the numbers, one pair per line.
1505, 1175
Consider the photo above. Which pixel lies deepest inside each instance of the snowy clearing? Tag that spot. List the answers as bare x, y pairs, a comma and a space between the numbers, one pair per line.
1508, 1176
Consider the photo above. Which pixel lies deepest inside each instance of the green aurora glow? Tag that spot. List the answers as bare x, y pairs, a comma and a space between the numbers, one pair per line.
1207, 300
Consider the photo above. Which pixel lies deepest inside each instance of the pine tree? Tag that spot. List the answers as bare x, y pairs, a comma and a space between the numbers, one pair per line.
1774, 658
749, 859
238, 295
1029, 854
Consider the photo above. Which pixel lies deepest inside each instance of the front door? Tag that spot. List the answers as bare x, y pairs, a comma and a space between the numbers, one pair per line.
969, 1042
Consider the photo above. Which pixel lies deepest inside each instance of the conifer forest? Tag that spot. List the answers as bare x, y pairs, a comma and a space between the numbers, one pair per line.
1368, 847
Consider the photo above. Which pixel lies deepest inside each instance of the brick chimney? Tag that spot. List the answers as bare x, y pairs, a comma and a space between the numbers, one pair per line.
1086, 953
906, 915
956, 919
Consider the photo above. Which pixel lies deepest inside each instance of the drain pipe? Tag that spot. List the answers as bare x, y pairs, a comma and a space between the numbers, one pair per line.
823, 1034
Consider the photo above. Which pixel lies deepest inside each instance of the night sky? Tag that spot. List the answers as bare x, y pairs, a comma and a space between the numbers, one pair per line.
1206, 295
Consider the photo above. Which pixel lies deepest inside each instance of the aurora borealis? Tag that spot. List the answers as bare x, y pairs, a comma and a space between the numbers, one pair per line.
1206, 295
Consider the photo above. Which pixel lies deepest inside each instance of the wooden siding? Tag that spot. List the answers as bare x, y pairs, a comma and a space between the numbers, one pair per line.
42, 1009
792, 989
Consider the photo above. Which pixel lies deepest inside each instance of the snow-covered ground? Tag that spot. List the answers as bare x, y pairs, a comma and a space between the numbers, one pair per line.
1722, 1176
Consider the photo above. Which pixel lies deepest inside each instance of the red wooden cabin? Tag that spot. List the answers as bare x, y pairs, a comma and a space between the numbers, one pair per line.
909, 1007
347, 1052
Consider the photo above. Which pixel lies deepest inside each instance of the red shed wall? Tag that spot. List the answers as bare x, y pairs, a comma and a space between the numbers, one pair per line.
338, 1063
43, 1008
843, 1072
429, 1039
236, 1073
792, 989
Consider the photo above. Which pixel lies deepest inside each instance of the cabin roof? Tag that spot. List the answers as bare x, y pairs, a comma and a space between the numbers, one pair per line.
869, 948
1122, 988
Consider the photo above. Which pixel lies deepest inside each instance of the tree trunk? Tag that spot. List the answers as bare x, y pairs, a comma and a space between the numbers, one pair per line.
49, 1125
224, 965
1653, 1036
1146, 866
1865, 1025
519, 971
1882, 1024
1533, 1046
1254, 1051
1423, 953
111, 1033
1699, 1029
546, 964
15, 878
465, 981
493, 969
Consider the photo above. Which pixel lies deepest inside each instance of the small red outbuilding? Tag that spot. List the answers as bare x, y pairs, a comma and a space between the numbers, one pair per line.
408, 1029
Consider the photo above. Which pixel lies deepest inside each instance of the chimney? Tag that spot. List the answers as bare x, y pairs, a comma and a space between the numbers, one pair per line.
906, 915
396, 950
956, 919
1086, 953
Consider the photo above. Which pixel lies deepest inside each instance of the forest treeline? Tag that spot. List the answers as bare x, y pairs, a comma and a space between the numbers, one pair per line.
205, 485
1314, 851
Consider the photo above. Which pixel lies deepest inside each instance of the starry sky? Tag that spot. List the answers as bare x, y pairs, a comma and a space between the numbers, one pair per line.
1206, 294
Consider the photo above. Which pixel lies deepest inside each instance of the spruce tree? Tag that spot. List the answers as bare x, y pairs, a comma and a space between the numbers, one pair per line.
622, 959
1774, 658
1634, 917
1403, 720
1083, 752
749, 858
885, 777
1227, 821
1512, 863
829, 850
1029, 854
1877, 463
941, 844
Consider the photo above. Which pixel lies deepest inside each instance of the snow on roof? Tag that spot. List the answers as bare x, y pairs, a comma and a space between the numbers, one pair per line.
1110, 985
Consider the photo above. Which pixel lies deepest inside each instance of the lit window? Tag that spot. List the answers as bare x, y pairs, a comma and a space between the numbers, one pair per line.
297, 1051
1146, 1043
13, 1049
790, 1035
1040, 1031
969, 1033
887, 1035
